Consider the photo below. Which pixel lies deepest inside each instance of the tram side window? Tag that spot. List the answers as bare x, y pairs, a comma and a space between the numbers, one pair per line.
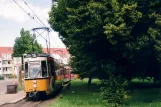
51, 68
61, 71
66, 71
44, 68
26, 70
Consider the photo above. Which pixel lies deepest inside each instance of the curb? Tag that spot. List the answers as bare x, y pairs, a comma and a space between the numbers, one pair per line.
17, 100
13, 102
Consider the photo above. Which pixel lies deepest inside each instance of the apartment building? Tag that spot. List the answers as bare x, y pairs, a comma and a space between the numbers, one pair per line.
0, 64
7, 65
6, 61
60, 54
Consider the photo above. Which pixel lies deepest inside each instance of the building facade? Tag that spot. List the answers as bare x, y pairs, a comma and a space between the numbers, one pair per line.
60, 54
0, 65
6, 61
7, 65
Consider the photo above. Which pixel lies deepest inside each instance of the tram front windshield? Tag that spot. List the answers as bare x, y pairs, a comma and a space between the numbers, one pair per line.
34, 71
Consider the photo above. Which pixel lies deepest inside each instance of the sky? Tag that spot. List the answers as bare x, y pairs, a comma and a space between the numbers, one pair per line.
13, 19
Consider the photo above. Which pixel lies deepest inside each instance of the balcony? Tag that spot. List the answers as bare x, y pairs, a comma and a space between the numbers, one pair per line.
6, 59
7, 65
7, 72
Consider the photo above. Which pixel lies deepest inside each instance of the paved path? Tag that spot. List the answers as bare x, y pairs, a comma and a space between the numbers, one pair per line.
11, 98
4, 83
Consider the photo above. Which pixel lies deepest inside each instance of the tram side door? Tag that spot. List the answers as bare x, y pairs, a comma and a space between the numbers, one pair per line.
51, 72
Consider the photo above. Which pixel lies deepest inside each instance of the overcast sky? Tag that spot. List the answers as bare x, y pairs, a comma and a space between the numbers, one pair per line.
12, 19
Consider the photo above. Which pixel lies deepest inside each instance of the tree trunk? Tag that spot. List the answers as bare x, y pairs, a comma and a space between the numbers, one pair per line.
89, 81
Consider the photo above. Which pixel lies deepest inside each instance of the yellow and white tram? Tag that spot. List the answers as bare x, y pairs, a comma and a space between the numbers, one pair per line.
43, 74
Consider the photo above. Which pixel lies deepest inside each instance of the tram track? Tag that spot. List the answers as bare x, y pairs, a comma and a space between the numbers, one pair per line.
24, 103
42, 102
32, 103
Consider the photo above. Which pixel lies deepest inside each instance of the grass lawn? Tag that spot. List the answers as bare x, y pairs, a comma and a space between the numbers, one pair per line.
145, 94
79, 95
145, 98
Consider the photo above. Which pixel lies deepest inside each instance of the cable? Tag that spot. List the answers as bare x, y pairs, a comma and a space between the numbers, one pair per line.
42, 24
49, 41
26, 12
41, 36
33, 12
38, 19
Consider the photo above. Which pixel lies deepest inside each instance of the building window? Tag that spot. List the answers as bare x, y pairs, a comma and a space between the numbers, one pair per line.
8, 62
0, 61
6, 69
0, 68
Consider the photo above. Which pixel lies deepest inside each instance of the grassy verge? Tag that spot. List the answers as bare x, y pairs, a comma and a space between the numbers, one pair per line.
144, 94
79, 96
145, 98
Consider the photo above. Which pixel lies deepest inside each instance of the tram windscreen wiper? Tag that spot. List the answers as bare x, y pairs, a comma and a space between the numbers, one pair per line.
37, 74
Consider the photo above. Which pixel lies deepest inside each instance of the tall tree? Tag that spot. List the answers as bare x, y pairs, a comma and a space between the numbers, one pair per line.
25, 44
97, 32
125, 34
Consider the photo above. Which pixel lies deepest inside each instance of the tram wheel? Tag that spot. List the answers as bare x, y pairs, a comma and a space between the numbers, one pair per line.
37, 96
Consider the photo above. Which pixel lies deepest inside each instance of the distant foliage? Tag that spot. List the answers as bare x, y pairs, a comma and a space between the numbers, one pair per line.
1, 77
24, 44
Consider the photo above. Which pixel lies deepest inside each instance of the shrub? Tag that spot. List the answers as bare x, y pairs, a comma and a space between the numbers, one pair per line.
113, 91
11, 76
1, 77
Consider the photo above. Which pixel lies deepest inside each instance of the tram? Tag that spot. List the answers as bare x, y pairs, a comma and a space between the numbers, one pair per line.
43, 75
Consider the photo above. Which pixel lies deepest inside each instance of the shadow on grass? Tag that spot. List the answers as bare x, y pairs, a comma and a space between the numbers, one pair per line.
83, 86
142, 85
79, 95
144, 94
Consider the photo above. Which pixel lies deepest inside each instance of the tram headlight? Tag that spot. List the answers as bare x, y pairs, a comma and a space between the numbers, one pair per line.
34, 85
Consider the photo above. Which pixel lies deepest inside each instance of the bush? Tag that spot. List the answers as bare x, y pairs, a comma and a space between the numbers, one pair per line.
11, 76
1, 77
113, 91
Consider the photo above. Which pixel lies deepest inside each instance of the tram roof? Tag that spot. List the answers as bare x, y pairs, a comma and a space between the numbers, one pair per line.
36, 55
40, 28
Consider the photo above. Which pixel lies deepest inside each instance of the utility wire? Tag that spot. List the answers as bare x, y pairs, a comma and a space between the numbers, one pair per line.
40, 21
26, 12
33, 12
42, 37
42, 24
40, 34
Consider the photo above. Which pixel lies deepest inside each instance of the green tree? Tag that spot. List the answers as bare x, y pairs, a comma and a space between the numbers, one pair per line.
125, 32
24, 44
